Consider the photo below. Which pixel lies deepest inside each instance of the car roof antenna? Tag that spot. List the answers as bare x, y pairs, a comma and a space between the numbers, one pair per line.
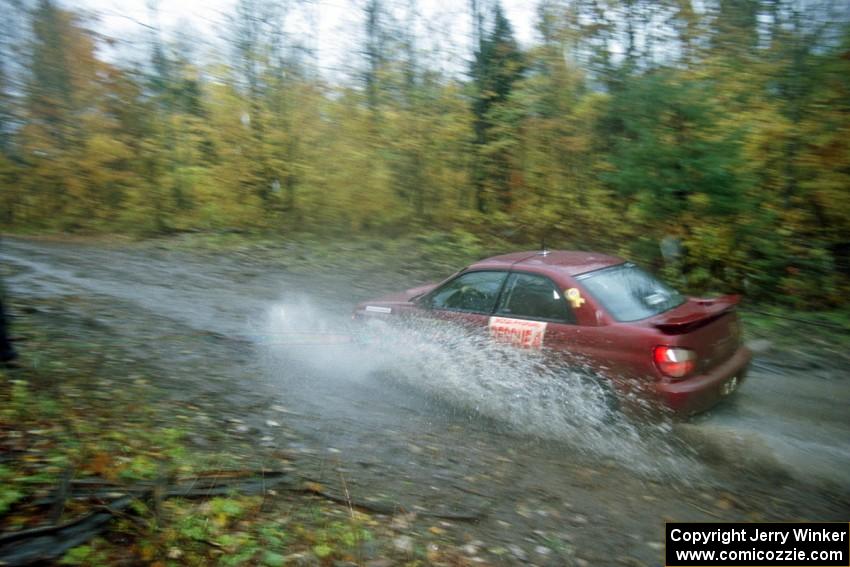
543, 250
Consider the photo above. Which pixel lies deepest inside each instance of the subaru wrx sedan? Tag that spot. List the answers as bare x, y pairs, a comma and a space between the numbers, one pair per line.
643, 336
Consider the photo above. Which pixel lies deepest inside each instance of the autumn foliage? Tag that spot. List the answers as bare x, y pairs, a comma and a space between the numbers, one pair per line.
721, 128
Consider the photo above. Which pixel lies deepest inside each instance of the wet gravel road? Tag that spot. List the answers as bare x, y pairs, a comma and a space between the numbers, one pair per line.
780, 450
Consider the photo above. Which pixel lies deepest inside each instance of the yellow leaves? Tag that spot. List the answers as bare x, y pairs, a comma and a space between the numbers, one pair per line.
766, 142
106, 148
220, 519
101, 465
710, 243
698, 201
147, 551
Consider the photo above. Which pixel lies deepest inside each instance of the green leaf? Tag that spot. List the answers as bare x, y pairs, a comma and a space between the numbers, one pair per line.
322, 550
273, 559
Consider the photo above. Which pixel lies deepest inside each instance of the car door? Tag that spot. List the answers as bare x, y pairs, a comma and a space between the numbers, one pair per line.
469, 299
534, 313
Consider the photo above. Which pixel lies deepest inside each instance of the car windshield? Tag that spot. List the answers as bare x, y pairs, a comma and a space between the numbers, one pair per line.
629, 293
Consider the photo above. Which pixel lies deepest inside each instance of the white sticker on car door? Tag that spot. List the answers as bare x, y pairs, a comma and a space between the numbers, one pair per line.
518, 332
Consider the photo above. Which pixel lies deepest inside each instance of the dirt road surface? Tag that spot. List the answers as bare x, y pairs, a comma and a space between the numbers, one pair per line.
779, 450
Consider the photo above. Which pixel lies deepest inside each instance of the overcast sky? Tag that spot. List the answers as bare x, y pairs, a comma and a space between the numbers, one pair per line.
332, 31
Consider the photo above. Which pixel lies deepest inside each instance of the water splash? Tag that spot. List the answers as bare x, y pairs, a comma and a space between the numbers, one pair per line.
467, 370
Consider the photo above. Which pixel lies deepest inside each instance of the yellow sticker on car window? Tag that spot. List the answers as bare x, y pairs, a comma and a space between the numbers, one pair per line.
574, 295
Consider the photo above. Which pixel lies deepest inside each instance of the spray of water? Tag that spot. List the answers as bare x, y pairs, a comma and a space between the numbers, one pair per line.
464, 369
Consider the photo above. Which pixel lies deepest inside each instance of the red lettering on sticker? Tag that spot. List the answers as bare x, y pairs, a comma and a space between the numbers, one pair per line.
518, 332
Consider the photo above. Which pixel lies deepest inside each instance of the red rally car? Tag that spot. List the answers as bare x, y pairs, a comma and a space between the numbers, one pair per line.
645, 336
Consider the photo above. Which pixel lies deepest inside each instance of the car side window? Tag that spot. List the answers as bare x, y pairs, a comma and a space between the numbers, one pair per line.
534, 297
475, 292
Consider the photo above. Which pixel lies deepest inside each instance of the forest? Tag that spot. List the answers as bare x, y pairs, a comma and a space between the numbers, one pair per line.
708, 140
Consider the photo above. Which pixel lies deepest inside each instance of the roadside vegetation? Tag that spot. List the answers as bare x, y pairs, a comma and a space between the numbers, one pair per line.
76, 418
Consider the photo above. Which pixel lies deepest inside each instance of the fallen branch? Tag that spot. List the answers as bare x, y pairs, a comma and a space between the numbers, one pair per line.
43, 544
25, 547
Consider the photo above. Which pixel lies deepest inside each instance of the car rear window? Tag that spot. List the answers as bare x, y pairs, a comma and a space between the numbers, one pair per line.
629, 293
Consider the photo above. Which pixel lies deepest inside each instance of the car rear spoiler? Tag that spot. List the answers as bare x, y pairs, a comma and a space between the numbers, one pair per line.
698, 313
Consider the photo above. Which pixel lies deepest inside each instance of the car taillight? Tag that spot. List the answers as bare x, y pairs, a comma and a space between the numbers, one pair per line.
674, 361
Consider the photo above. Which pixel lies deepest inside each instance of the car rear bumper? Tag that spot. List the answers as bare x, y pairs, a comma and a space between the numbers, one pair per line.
699, 393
